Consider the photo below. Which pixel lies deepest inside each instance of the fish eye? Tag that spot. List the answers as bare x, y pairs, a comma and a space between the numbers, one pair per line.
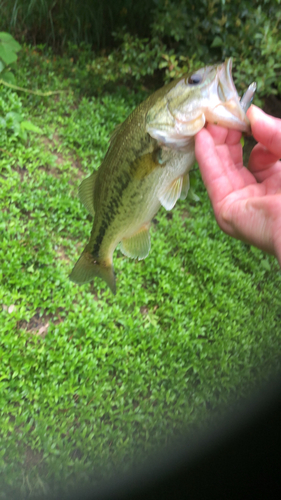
195, 79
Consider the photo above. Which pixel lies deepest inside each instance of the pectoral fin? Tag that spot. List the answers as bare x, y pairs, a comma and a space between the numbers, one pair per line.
185, 187
88, 267
170, 196
86, 193
138, 245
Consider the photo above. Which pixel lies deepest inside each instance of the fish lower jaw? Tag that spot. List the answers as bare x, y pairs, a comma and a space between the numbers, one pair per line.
229, 115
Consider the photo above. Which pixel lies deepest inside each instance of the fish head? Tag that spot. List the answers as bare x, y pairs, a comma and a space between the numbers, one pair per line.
207, 96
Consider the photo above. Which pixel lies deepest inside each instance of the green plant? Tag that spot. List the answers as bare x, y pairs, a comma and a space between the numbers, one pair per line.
8, 56
13, 123
159, 39
181, 42
59, 22
211, 31
12, 116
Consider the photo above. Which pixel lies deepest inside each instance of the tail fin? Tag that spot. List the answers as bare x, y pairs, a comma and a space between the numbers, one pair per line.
88, 267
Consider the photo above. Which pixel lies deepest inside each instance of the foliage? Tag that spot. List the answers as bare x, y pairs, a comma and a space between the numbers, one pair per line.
8, 55
212, 30
13, 123
91, 383
134, 58
184, 39
90, 21
163, 37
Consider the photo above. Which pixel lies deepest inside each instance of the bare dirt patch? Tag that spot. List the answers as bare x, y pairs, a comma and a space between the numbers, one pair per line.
61, 159
39, 324
32, 457
185, 214
61, 254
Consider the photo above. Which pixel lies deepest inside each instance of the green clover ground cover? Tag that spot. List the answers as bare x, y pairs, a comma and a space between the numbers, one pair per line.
89, 381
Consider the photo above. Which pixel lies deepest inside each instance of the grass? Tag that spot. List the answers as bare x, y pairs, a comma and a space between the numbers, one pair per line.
90, 382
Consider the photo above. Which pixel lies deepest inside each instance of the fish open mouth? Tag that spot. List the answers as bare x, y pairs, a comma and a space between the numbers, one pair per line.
230, 99
208, 96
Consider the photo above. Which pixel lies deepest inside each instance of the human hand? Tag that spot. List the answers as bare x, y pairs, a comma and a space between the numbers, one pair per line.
246, 202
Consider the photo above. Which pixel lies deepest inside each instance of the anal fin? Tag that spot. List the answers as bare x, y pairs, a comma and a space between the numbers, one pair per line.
86, 193
138, 245
170, 196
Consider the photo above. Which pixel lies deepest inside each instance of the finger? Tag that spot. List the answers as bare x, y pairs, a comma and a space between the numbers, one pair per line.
252, 217
233, 137
231, 157
261, 159
238, 175
212, 168
236, 153
266, 129
222, 135
218, 133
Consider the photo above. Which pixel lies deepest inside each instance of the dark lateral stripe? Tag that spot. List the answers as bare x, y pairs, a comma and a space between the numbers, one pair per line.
112, 209
123, 180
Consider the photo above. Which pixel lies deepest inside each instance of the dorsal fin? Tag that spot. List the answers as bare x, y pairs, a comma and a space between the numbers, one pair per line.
86, 193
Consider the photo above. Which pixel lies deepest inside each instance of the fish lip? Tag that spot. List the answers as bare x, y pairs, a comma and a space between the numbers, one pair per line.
228, 72
225, 77
230, 99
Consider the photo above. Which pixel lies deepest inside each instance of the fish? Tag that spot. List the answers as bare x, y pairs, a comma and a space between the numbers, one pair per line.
147, 164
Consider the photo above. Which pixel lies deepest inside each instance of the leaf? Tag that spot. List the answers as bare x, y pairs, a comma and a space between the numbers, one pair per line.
265, 264
7, 39
23, 135
12, 116
8, 77
7, 55
27, 125
217, 42
2, 66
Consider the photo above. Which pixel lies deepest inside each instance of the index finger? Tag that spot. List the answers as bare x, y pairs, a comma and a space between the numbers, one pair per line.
266, 129
212, 169
222, 135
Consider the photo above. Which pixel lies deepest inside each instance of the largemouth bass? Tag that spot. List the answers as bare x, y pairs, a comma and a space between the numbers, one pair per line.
147, 164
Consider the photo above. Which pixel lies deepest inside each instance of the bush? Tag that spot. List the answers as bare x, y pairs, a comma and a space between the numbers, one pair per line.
56, 23
171, 36
211, 31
